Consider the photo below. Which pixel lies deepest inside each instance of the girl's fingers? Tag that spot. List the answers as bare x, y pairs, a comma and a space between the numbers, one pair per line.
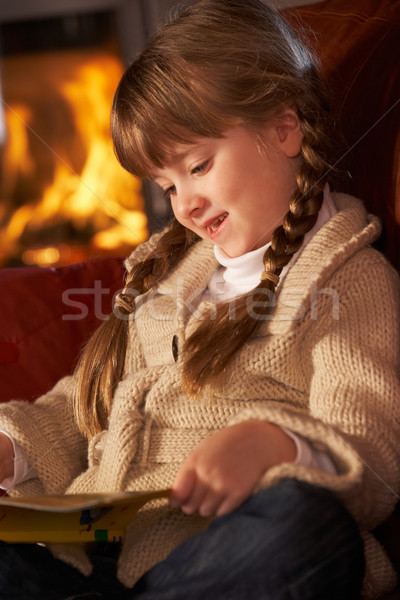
188, 491
210, 503
183, 486
193, 503
223, 470
193, 495
230, 503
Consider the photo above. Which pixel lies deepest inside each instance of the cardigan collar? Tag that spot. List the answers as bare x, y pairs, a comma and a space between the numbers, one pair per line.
340, 238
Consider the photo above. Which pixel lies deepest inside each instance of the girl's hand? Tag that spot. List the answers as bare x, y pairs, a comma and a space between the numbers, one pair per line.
6, 457
222, 472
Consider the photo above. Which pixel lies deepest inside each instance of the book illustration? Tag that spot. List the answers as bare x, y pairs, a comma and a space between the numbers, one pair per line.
90, 516
71, 518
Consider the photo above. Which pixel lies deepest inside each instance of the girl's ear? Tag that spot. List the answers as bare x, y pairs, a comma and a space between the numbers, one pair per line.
289, 133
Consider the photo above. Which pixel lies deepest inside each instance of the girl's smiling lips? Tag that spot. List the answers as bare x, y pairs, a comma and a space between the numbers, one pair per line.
214, 226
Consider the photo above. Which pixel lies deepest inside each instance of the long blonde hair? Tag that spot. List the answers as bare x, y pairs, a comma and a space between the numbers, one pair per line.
215, 64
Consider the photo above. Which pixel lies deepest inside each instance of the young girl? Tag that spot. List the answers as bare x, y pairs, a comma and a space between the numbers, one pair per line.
250, 363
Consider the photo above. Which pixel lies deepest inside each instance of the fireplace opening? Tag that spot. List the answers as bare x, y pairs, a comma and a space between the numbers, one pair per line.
63, 196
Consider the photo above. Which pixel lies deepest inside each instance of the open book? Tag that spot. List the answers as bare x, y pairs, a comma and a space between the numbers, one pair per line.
71, 518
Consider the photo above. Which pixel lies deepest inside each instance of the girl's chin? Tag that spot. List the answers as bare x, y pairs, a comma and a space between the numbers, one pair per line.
231, 252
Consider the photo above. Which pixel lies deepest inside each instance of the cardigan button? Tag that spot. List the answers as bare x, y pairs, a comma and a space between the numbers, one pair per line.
175, 351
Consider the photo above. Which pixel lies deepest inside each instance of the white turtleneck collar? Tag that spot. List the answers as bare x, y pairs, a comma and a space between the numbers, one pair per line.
239, 275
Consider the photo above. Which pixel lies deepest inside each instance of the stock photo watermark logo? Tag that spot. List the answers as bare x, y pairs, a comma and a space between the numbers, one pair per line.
292, 304
86, 300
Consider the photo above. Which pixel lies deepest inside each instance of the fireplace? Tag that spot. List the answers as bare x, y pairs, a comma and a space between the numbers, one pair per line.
63, 196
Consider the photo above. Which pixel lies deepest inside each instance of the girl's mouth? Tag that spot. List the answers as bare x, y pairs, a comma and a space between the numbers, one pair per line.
214, 227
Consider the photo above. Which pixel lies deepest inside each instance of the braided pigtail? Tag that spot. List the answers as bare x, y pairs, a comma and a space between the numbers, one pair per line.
212, 346
102, 362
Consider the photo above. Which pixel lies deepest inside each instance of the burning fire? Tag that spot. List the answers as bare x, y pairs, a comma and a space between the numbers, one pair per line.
64, 197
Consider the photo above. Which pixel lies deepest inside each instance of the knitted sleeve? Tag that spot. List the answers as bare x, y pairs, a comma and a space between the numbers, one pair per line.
355, 387
350, 358
46, 431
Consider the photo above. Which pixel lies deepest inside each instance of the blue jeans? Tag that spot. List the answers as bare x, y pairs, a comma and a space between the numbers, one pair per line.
293, 541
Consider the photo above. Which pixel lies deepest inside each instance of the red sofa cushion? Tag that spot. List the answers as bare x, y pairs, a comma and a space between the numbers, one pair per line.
46, 316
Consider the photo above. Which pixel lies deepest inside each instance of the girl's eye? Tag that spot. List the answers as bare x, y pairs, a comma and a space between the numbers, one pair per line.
200, 168
197, 170
169, 191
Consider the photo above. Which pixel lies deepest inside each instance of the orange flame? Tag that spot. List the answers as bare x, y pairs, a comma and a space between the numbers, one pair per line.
69, 151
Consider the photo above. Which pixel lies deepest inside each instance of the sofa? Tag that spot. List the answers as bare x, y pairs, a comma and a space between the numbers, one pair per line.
47, 314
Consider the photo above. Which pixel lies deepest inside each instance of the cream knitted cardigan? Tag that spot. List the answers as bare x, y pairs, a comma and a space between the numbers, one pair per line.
326, 366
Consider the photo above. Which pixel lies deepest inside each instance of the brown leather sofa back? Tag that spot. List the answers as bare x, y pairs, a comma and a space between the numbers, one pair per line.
358, 42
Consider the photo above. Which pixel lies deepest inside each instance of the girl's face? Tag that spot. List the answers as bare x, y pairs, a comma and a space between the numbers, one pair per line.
230, 190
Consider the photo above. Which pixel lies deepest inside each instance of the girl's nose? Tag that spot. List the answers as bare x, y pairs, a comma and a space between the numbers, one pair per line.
187, 202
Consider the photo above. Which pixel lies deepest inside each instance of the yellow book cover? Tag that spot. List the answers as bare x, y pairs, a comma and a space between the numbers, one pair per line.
73, 518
